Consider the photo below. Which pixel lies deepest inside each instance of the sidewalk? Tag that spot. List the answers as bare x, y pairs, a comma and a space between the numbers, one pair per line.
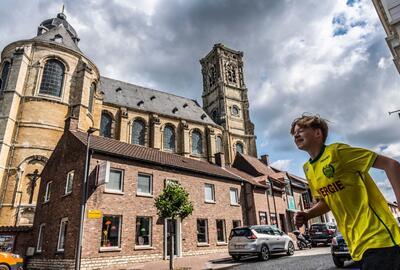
220, 260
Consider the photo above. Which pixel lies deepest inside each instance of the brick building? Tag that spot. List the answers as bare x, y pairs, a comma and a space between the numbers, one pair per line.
121, 225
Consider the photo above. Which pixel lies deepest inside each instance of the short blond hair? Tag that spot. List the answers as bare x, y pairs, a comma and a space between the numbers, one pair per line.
311, 121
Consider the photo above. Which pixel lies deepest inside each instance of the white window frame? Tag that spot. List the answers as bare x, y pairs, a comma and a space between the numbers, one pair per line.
150, 232
150, 184
212, 193
119, 234
60, 234
108, 181
236, 195
69, 179
48, 191
40, 238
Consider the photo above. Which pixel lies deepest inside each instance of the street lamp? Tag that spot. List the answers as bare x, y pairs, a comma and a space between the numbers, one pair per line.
85, 186
396, 111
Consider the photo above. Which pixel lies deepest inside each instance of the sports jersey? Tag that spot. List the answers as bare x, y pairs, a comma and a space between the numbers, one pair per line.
339, 175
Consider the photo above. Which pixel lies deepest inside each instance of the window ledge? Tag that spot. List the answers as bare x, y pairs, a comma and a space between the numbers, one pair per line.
144, 195
143, 248
235, 204
115, 192
60, 251
45, 202
211, 202
222, 244
67, 194
110, 249
203, 244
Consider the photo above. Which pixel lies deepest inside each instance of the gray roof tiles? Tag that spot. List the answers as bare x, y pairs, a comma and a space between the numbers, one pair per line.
66, 38
150, 100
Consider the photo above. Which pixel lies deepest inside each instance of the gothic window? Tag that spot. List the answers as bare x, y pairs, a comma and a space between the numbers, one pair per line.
219, 144
239, 147
52, 80
4, 75
138, 132
169, 138
105, 125
235, 110
212, 76
197, 142
214, 115
92, 90
231, 73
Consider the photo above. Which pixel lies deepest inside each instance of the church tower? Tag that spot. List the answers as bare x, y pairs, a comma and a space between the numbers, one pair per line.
225, 100
47, 85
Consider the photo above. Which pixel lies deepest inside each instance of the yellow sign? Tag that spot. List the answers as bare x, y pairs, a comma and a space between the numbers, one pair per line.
94, 214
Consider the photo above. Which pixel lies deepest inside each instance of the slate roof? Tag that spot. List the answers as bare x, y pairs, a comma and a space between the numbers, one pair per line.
153, 156
59, 30
150, 100
257, 181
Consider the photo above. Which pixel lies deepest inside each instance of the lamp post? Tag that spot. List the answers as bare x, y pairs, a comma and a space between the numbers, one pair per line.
85, 187
396, 111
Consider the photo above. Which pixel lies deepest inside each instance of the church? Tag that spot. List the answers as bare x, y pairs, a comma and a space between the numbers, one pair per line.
51, 95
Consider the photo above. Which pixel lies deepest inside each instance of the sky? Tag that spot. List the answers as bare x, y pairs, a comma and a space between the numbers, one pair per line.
329, 59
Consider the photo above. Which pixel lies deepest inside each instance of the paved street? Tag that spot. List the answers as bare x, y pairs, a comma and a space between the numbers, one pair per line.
315, 259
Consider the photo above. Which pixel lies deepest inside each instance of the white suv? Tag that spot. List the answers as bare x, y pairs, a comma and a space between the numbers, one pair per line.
261, 240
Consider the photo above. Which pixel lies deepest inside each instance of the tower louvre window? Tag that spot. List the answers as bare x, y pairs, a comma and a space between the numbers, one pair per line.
138, 132
239, 147
169, 138
91, 96
4, 76
53, 77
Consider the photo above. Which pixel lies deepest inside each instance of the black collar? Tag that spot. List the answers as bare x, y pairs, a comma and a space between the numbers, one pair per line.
319, 155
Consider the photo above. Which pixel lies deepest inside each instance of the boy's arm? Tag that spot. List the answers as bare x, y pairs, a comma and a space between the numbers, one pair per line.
318, 209
392, 170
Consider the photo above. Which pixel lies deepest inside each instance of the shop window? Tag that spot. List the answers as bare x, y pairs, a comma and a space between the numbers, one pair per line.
111, 231
143, 231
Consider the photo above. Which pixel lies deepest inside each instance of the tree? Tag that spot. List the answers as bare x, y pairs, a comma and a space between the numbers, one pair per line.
173, 203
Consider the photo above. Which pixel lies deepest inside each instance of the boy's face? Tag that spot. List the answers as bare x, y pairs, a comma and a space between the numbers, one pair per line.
307, 138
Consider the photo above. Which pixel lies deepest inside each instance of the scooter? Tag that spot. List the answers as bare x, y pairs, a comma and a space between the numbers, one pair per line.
302, 242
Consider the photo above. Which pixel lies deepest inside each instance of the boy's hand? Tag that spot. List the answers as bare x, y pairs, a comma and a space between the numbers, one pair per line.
300, 218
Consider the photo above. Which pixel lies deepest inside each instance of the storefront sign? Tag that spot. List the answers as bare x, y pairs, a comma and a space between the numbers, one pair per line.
94, 214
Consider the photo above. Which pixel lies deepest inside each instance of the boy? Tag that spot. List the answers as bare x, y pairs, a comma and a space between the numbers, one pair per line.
338, 178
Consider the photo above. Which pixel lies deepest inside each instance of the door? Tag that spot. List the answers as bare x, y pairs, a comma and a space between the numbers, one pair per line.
280, 240
271, 238
172, 227
283, 222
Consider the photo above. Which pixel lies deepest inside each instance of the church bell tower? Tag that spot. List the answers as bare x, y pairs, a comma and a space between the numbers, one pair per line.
226, 102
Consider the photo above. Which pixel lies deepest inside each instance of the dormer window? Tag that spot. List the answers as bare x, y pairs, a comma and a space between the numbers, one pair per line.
58, 38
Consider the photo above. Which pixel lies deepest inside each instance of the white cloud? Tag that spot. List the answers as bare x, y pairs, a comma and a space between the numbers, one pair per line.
282, 164
386, 190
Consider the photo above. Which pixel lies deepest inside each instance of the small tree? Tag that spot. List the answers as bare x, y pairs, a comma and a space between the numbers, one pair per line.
173, 203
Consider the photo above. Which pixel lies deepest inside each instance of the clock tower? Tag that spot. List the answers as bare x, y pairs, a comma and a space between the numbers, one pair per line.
226, 102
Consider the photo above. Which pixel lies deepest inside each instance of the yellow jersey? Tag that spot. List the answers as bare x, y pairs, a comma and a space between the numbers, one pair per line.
339, 176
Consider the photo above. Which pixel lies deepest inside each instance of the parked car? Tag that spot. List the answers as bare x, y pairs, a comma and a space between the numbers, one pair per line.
10, 261
261, 240
340, 251
322, 233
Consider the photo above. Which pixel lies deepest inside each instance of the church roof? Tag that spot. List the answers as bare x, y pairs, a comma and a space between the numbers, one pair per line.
150, 100
54, 34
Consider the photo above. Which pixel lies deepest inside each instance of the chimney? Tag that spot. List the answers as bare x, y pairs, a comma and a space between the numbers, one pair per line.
265, 159
71, 123
220, 159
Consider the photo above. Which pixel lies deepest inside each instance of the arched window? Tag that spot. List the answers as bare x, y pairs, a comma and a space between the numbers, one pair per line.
197, 142
105, 125
92, 90
4, 76
169, 138
218, 143
53, 77
138, 132
215, 115
239, 147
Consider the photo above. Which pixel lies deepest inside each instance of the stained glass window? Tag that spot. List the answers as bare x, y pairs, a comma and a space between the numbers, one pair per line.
92, 90
239, 148
105, 125
52, 80
138, 132
169, 138
197, 143
4, 75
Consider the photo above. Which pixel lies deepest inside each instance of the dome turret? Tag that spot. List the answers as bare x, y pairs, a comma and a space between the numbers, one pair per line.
49, 24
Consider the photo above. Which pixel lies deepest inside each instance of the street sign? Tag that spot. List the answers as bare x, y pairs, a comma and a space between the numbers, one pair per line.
103, 172
92, 214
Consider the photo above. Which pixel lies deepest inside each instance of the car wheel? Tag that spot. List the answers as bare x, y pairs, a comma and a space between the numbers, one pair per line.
264, 253
338, 262
236, 257
4, 267
290, 250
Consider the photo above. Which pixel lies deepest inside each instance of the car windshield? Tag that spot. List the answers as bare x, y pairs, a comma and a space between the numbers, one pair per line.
241, 232
318, 227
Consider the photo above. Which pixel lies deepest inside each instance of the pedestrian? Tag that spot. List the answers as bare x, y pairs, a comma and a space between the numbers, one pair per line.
338, 178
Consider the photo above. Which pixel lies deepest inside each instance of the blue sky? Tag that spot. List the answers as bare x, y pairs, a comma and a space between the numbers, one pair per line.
299, 56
